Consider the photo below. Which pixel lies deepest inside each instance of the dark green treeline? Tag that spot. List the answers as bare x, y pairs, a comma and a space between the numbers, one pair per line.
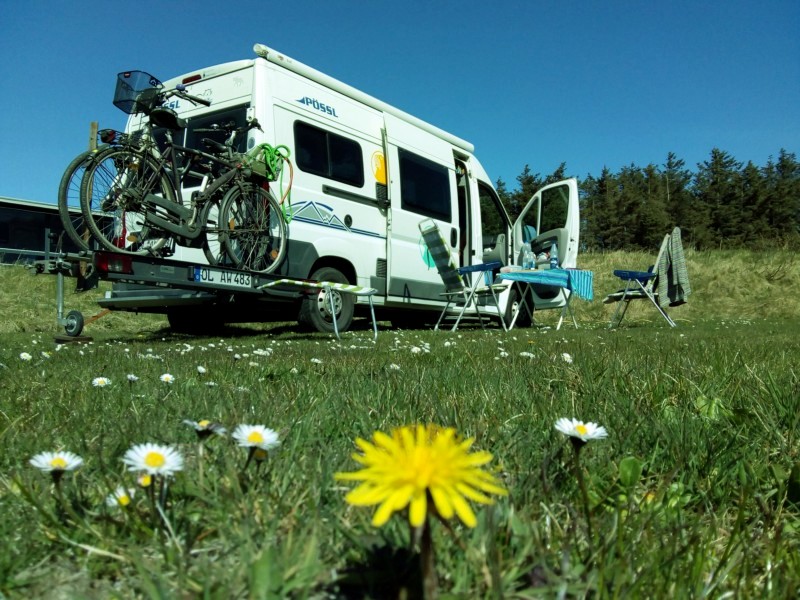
723, 204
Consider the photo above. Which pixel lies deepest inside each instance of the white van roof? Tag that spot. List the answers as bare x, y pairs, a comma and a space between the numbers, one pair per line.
286, 62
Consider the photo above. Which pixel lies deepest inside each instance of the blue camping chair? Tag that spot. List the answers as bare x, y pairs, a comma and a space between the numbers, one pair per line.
665, 282
465, 287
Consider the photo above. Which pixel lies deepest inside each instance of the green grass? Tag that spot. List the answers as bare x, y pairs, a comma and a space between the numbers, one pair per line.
710, 411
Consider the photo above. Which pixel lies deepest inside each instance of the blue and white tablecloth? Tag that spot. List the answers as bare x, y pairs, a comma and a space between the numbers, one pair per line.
575, 280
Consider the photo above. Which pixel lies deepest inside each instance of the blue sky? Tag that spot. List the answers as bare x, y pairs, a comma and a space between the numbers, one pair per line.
592, 84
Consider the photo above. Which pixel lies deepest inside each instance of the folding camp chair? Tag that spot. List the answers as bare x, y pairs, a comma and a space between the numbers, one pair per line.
464, 287
639, 285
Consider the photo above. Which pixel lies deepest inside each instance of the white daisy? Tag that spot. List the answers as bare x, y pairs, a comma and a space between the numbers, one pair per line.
526, 355
201, 369
316, 361
256, 436
120, 497
567, 358
580, 430
154, 459
25, 356
167, 378
101, 381
56, 461
205, 428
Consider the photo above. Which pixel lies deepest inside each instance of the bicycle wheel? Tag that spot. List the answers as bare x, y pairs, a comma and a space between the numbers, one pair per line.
253, 228
69, 199
112, 193
213, 247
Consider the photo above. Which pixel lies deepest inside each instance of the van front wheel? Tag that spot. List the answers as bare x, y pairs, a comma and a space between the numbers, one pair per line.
315, 310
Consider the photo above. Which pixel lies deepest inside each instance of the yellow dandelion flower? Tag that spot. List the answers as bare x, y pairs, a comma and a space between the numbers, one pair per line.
419, 464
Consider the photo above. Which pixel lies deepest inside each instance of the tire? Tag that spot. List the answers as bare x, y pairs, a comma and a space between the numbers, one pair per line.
523, 320
74, 323
315, 310
69, 197
253, 229
213, 248
111, 200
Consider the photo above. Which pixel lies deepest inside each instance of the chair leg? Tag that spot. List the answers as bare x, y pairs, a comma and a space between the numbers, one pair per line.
329, 294
499, 313
566, 310
467, 300
658, 308
374, 321
624, 299
441, 316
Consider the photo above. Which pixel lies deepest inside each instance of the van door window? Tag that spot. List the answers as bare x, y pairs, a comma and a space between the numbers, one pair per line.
555, 207
327, 154
424, 186
494, 225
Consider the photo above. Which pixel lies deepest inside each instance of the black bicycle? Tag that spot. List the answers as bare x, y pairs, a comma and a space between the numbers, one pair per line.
69, 188
131, 194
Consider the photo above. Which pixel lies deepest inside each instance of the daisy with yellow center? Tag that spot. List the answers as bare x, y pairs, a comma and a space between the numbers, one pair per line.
417, 466
154, 459
205, 428
258, 439
579, 433
121, 497
580, 430
56, 462
256, 436
167, 378
101, 381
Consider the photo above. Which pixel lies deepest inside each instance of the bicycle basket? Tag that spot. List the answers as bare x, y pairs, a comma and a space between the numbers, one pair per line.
136, 92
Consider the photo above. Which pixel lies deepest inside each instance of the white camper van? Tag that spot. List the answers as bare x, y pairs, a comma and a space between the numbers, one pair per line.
365, 175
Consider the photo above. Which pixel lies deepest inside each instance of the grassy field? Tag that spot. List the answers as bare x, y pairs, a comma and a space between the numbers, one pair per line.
692, 494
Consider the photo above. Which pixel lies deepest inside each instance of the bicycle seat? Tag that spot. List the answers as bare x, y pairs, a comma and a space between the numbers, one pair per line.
167, 118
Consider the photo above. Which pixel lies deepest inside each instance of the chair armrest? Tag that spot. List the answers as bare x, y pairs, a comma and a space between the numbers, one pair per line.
641, 276
490, 266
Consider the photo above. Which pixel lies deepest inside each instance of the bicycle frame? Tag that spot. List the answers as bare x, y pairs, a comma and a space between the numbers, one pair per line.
178, 219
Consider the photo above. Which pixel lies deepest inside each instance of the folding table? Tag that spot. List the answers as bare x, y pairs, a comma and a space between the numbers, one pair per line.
578, 282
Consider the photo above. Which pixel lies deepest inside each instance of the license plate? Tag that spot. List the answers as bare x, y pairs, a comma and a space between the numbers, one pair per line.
211, 275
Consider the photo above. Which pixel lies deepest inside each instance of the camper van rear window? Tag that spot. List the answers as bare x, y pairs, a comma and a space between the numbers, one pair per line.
328, 155
424, 186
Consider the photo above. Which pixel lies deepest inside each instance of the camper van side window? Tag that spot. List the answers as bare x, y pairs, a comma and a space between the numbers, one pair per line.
328, 155
424, 186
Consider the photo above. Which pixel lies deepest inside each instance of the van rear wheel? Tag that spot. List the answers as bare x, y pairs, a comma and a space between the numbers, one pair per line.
315, 310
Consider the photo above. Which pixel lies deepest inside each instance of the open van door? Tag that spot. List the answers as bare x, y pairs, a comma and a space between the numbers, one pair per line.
552, 216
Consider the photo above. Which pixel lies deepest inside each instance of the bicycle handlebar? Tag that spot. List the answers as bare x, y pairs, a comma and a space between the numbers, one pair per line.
180, 91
